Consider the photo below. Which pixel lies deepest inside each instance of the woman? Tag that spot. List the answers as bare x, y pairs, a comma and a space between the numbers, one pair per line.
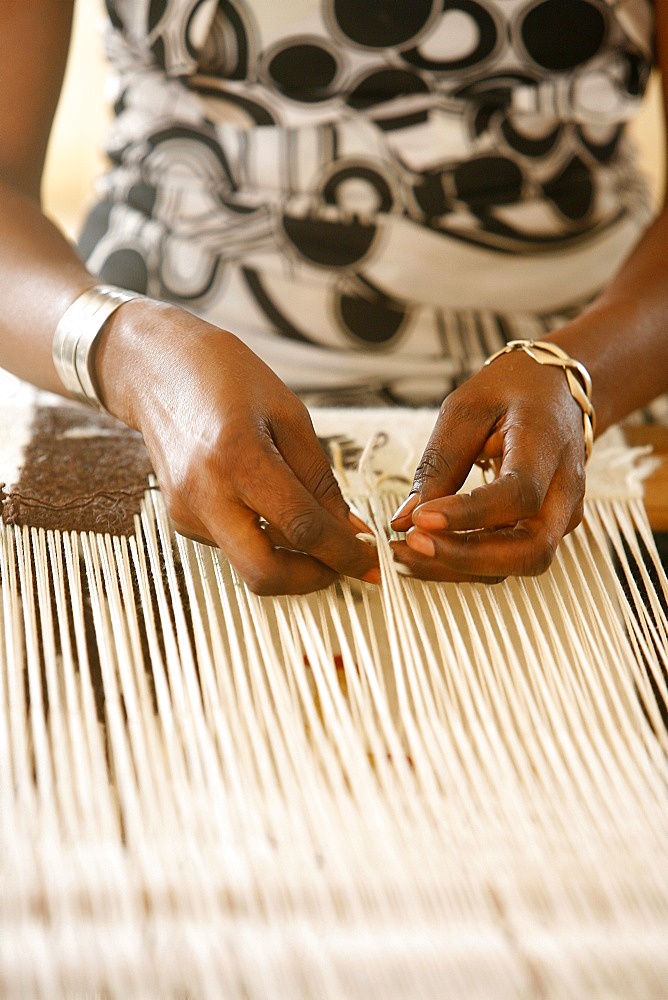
365, 194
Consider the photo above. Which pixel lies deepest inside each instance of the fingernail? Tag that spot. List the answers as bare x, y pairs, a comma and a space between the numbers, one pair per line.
421, 543
357, 521
402, 569
430, 520
369, 539
407, 507
373, 576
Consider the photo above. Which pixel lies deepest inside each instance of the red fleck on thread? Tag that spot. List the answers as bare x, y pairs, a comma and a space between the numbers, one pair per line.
408, 759
339, 665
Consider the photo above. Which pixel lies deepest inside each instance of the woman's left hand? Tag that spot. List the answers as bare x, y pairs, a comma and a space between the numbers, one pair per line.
520, 417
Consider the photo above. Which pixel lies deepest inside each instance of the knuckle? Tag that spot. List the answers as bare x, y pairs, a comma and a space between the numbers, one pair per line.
540, 554
460, 405
260, 582
177, 509
260, 578
293, 408
580, 487
246, 482
468, 406
434, 464
321, 483
576, 517
190, 476
527, 491
302, 527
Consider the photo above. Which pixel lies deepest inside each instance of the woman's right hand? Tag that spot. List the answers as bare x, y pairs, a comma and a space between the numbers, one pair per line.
234, 450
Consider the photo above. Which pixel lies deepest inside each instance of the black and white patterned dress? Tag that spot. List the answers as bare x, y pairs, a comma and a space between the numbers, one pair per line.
374, 194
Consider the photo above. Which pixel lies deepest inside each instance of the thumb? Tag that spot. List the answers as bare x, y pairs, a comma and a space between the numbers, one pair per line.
457, 440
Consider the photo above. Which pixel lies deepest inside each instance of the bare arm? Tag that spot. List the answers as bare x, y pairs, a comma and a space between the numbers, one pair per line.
523, 414
40, 272
623, 337
232, 446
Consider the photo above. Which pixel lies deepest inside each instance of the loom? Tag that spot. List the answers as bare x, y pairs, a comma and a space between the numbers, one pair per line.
413, 791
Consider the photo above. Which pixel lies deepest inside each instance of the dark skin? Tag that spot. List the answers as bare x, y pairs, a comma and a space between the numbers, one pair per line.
523, 416
234, 448
230, 443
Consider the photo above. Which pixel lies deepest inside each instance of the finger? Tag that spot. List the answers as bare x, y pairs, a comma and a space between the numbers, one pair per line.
279, 540
527, 469
268, 569
409, 563
458, 438
402, 519
193, 529
262, 556
525, 549
272, 491
262, 553
513, 496
186, 523
456, 441
257, 555
493, 447
305, 456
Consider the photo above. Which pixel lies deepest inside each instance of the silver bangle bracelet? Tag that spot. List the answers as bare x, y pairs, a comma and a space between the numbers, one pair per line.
75, 337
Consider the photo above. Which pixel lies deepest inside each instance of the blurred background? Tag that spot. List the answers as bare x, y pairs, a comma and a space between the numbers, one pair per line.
75, 153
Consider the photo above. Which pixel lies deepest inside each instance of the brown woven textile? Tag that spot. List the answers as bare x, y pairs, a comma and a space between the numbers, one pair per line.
83, 471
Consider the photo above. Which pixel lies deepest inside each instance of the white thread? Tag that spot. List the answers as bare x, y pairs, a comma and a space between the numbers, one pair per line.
360, 793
